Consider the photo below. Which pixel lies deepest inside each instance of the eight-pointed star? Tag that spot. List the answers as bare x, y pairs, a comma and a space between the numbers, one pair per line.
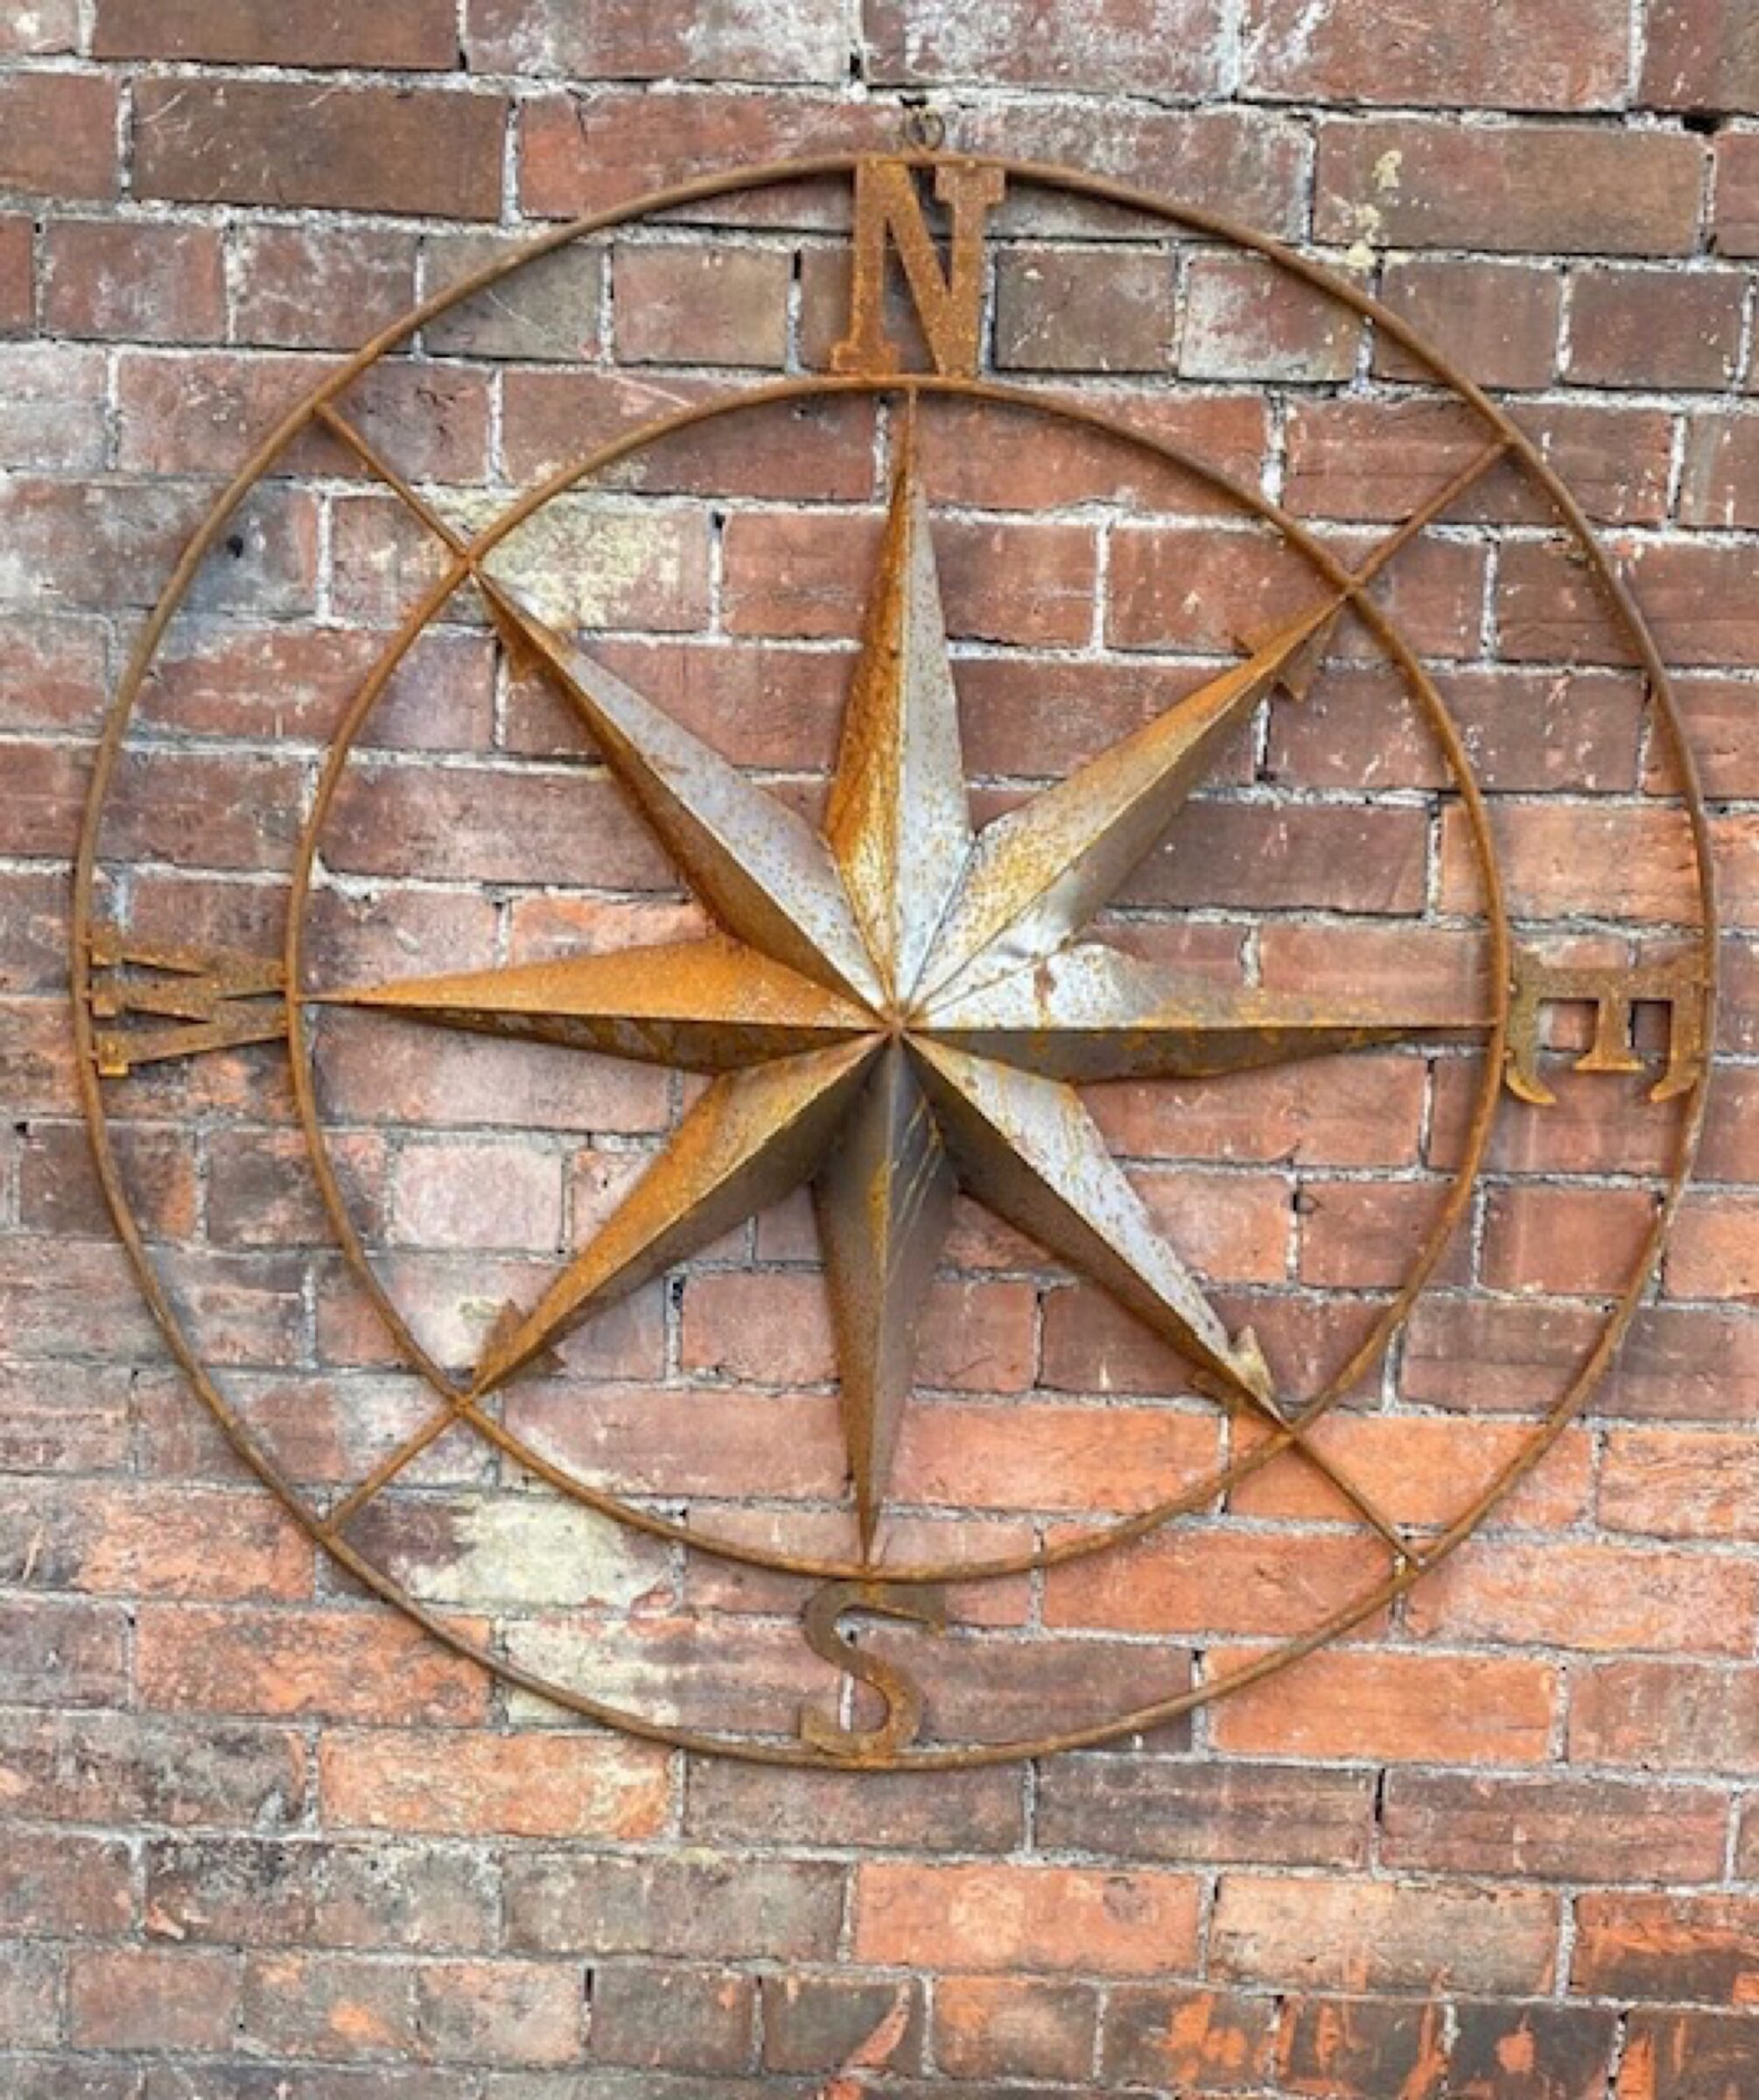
899, 1005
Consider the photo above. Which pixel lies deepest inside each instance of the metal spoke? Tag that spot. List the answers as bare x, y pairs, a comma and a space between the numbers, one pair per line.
700, 1005
751, 1138
1037, 875
883, 1200
1091, 1013
899, 821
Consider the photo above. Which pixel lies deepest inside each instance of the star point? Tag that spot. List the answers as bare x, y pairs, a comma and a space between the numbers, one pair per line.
901, 1005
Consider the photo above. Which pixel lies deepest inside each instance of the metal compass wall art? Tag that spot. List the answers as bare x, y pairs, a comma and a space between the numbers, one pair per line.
912, 1171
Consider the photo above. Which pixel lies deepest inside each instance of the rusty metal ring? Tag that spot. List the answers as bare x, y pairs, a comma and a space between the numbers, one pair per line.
1614, 591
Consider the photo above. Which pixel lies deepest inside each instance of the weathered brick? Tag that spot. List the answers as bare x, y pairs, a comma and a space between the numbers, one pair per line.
409, 33
153, 1997
327, 2006
1498, 321
664, 38
58, 134
547, 1786
1550, 187
1543, 1829
1212, 2041
1735, 208
82, 1767
1058, 310
1157, 1808
1110, 46
1568, 58
252, 1892
669, 2016
1595, 1596
360, 1665
66, 1886
1700, 54
1033, 1917
17, 274
697, 1904
1365, 1935
1014, 2027
700, 306
317, 287
282, 143
1614, 342
1395, 1707
1685, 2055
1666, 1946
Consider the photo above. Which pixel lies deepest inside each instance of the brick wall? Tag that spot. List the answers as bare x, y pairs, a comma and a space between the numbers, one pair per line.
262, 1837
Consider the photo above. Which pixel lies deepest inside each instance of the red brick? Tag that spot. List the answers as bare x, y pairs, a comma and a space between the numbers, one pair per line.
817, 2021
1214, 2041
1735, 210
1665, 1717
161, 1542
1591, 1596
1551, 1830
1245, 318
1013, 2027
1399, 1706
1245, 1584
1423, 1471
1624, 861
1565, 1242
135, 282
316, 287
1058, 310
89, 1767
662, 2017
1563, 58
1356, 1235
66, 1886
701, 305
18, 272
1110, 47
58, 134
734, 1804
1614, 340
405, 33
1550, 187
1498, 321
1667, 1947
1713, 1253
1685, 2055
644, 39
1700, 54
501, 2012
327, 2006
361, 1664
285, 143
153, 1997
1365, 1935
1159, 1808
1033, 1917
697, 1903
61, 1654
1721, 459
52, 407
1670, 1483
45, 29
547, 1786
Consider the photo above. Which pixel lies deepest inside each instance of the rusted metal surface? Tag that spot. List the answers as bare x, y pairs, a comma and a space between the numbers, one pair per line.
223, 997
808, 906
1615, 992
948, 301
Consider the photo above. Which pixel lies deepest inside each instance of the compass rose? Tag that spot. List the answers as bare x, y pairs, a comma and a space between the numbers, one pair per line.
903, 992
901, 1004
